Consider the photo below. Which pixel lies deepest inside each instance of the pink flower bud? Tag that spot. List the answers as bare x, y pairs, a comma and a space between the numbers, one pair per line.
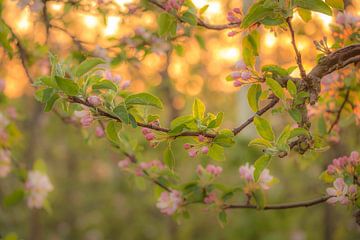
192, 153
187, 146
99, 132
210, 198
331, 169
240, 65
150, 136
124, 163
245, 75
235, 75
125, 85
145, 131
86, 120
204, 149
237, 10
232, 33
214, 170
94, 100
201, 138
237, 84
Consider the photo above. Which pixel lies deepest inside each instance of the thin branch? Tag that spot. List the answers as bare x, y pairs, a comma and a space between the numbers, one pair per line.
199, 21
280, 206
298, 55
338, 115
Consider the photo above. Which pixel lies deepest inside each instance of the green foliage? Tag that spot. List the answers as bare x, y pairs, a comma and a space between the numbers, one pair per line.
260, 164
87, 65
167, 25
145, 99
264, 128
253, 96
314, 5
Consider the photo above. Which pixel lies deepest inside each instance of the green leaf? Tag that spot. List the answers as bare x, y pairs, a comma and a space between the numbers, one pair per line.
291, 87
179, 121
284, 136
167, 25
169, 158
253, 96
145, 99
216, 152
325, 177
14, 198
299, 132
11, 236
68, 86
50, 102
222, 217
251, 46
87, 65
260, 164
190, 18
105, 84
264, 128
260, 142
276, 88
295, 114
122, 112
255, 14
217, 121
304, 14
259, 198
275, 69
198, 109
200, 41
225, 138
112, 130
338, 4
314, 5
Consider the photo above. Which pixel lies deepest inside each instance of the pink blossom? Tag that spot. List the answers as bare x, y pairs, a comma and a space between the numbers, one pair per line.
338, 192
126, 84
210, 198
265, 179
205, 149
5, 162
99, 132
86, 120
173, 4
125, 163
214, 170
245, 75
235, 75
37, 186
145, 131
247, 172
152, 164
150, 136
232, 33
169, 202
354, 158
94, 100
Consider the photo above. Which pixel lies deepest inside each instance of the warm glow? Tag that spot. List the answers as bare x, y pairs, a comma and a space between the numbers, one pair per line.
213, 9
90, 21
56, 6
270, 39
230, 54
325, 20
23, 23
112, 25
123, 3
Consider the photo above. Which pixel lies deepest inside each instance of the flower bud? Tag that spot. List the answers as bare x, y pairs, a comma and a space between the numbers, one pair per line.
94, 100
204, 149
245, 75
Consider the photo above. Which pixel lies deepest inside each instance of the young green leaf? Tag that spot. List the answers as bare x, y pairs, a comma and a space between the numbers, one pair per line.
112, 130
222, 217
145, 99
253, 96
198, 109
122, 112
68, 86
87, 65
260, 164
276, 88
338, 4
190, 18
263, 128
260, 142
259, 198
169, 158
314, 5
105, 84
255, 14
216, 152
167, 25
291, 87
304, 14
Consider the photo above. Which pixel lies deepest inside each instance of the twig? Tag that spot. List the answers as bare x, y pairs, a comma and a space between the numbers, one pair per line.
279, 206
298, 55
199, 21
338, 115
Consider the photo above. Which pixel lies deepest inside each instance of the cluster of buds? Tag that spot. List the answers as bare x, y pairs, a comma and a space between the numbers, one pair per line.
117, 79
5, 162
94, 100
247, 173
341, 192
169, 202
208, 174
234, 16
210, 198
84, 117
193, 150
37, 187
241, 74
343, 18
173, 5
35, 5
152, 167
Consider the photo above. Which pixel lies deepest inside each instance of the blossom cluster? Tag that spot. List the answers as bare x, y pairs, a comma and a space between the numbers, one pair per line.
152, 167
195, 149
247, 173
37, 186
208, 174
169, 202
345, 172
234, 16
117, 79
173, 5
241, 74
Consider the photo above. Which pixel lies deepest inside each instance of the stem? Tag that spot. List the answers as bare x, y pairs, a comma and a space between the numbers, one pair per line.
298, 55
338, 115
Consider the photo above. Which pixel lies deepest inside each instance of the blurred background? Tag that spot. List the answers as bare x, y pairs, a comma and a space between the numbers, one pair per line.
93, 200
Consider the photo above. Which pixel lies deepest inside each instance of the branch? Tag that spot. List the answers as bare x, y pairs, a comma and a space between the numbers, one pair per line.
280, 206
346, 98
199, 21
298, 55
